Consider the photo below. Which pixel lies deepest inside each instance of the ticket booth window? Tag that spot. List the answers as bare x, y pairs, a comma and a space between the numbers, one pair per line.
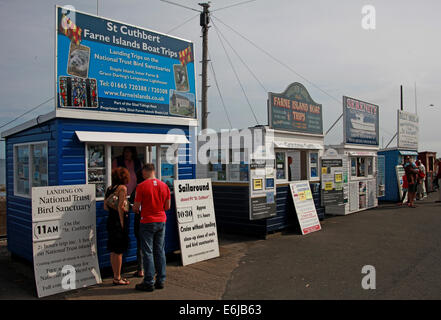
168, 170
358, 168
30, 167
362, 167
313, 165
299, 165
96, 168
237, 168
431, 161
102, 158
370, 167
217, 168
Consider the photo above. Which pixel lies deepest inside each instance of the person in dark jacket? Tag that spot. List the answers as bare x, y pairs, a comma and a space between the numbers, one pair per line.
411, 173
438, 177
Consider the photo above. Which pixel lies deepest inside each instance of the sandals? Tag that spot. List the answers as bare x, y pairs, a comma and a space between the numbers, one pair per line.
139, 274
120, 282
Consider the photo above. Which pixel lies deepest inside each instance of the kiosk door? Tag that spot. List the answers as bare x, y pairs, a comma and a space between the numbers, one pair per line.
298, 165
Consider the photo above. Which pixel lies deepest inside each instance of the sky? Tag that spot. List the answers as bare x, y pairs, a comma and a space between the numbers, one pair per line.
321, 40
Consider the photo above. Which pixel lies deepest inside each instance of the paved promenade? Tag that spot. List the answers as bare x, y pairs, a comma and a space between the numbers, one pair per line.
403, 245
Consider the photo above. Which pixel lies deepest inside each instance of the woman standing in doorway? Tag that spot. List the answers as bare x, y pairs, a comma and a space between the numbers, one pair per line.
129, 160
118, 238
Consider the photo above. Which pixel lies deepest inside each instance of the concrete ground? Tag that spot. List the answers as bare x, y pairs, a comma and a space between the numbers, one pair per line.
403, 245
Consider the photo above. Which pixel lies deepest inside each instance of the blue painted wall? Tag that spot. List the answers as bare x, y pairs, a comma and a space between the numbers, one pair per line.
232, 210
391, 184
66, 156
19, 209
392, 159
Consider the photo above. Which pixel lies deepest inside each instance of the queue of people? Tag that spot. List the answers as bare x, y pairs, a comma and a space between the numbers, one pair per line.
136, 185
414, 181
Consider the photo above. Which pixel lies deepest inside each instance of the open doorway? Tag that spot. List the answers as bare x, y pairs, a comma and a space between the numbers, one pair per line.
297, 165
164, 171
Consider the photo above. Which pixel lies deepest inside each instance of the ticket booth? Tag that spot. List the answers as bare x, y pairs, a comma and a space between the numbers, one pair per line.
251, 168
358, 161
428, 158
407, 145
51, 150
138, 91
394, 159
359, 180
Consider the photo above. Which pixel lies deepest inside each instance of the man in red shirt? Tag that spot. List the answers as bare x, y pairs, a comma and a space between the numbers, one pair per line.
152, 199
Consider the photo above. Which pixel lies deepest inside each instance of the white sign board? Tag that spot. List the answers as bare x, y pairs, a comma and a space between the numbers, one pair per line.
408, 129
196, 220
354, 196
64, 238
399, 174
305, 207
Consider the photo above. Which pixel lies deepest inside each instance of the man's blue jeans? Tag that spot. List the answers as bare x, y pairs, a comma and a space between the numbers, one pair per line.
152, 238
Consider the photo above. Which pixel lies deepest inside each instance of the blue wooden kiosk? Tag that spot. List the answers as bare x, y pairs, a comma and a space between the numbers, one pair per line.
394, 157
138, 91
56, 151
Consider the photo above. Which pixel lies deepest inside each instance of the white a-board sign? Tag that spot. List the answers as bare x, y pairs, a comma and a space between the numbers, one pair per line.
64, 238
400, 173
305, 207
196, 220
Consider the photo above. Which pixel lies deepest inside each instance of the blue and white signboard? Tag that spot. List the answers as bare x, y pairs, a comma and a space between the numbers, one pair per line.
360, 122
104, 65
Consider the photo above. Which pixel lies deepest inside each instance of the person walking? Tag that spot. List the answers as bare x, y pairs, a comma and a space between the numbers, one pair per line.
152, 199
129, 160
435, 182
411, 175
421, 178
118, 239
438, 177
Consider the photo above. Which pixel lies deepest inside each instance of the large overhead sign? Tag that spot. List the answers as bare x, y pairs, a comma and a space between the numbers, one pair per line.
294, 110
105, 65
360, 122
408, 130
